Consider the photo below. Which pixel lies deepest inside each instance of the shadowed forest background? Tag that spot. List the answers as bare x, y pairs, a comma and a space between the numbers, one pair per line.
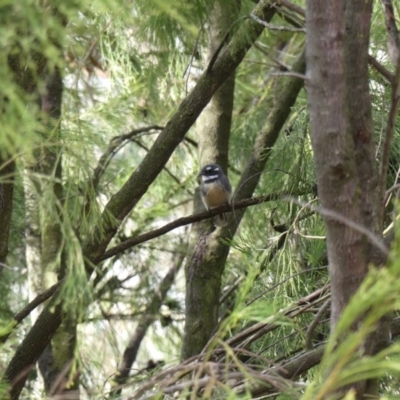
114, 282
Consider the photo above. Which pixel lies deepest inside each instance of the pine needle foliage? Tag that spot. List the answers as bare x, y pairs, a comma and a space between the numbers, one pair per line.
127, 66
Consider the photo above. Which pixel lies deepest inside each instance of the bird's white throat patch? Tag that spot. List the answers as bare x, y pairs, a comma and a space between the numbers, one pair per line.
208, 178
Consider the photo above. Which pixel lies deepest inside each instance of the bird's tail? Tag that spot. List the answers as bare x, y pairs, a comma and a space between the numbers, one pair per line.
220, 220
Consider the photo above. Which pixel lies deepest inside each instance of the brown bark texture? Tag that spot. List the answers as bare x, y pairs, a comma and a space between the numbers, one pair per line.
343, 142
342, 137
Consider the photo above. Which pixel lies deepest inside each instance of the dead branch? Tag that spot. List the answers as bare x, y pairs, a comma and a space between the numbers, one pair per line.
291, 6
314, 323
241, 377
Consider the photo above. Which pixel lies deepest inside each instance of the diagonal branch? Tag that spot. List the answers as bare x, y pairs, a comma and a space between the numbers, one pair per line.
113, 147
381, 69
134, 241
291, 6
18, 318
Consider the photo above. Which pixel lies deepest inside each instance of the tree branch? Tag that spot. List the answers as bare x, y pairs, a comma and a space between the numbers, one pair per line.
121, 204
381, 69
291, 6
134, 241
277, 28
18, 318
113, 147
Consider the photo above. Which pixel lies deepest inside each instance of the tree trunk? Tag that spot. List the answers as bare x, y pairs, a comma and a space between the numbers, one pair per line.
342, 139
203, 267
7, 170
205, 264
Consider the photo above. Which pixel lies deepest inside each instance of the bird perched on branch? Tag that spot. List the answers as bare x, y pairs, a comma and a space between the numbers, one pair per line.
216, 190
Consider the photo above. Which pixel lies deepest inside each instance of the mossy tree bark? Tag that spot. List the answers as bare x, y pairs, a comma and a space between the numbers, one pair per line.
44, 192
204, 267
56, 361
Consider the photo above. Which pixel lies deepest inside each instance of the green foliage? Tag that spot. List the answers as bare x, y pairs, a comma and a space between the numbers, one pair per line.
129, 65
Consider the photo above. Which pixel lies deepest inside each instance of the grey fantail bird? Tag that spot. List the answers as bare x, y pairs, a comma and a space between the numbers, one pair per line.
216, 191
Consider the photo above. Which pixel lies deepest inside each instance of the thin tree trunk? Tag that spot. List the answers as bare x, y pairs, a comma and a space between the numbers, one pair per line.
214, 126
55, 363
7, 171
206, 262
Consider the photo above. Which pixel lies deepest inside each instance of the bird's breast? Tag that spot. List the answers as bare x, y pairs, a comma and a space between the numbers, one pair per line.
215, 195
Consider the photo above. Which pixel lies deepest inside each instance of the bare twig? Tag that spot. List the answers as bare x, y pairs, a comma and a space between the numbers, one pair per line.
166, 169
231, 289
314, 323
381, 69
389, 192
115, 144
374, 239
285, 280
289, 74
291, 6
292, 310
275, 27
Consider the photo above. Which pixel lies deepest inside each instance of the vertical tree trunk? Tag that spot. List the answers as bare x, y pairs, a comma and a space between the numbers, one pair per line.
342, 139
203, 267
7, 170
208, 254
55, 363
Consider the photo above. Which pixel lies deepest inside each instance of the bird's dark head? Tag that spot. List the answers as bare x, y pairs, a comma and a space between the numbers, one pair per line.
210, 173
